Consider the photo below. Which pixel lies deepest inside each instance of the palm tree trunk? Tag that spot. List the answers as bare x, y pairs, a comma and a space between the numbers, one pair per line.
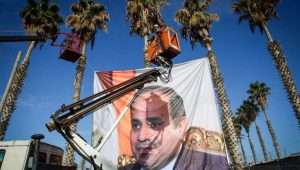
69, 159
29, 51
12, 75
145, 32
267, 32
252, 148
9, 104
9, 98
228, 127
261, 141
286, 76
273, 135
243, 152
146, 63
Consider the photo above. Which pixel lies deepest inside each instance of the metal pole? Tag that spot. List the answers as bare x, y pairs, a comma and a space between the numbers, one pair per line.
36, 140
120, 117
12, 75
19, 38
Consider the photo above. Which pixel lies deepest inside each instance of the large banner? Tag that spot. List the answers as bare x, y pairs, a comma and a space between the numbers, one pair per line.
174, 125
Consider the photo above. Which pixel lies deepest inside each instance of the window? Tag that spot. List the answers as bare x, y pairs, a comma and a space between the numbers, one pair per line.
42, 158
55, 160
2, 154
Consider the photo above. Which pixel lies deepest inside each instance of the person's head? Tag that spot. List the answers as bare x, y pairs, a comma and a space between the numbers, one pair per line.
158, 124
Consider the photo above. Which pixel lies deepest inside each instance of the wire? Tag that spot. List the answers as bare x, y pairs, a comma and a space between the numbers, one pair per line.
14, 31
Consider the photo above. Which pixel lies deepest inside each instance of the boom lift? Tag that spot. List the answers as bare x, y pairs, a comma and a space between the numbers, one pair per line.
70, 45
161, 49
20, 38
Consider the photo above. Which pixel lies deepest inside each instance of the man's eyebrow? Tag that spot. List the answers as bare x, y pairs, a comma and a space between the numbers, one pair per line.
135, 120
155, 119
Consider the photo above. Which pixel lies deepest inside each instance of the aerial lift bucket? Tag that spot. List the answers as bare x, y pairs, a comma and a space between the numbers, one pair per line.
165, 44
70, 47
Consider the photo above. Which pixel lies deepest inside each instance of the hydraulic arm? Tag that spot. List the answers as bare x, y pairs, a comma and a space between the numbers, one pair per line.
67, 115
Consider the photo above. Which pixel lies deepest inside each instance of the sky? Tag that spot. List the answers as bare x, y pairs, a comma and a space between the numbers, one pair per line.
242, 56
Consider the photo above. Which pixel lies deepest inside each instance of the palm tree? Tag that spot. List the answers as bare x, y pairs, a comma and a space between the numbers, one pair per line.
40, 18
258, 13
238, 130
259, 95
252, 110
87, 17
196, 23
142, 16
246, 121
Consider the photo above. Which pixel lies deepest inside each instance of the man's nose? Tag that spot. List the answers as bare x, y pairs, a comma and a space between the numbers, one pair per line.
144, 134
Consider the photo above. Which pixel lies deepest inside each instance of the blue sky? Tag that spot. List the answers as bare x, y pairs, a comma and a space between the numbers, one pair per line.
242, 56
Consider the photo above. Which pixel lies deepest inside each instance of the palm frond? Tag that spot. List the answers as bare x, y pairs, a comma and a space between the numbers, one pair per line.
257, 12
259, 92
87, 17
41, 18
196, 21
142, 15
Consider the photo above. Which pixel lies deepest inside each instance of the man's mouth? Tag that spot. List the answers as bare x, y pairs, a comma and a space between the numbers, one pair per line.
144, 152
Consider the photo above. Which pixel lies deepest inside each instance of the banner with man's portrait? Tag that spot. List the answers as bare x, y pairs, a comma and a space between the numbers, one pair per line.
174, 125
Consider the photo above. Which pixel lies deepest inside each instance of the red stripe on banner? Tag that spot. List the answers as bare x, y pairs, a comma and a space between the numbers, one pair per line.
109, 79
105, 79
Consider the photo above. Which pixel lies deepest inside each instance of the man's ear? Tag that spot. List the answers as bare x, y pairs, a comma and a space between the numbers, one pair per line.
182, 123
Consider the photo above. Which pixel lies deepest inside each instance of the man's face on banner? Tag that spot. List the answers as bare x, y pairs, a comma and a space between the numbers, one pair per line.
155, 136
